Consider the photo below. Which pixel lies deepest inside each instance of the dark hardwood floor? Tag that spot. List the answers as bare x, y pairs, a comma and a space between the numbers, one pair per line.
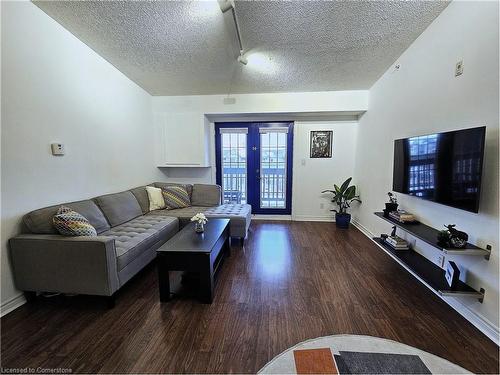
291, 282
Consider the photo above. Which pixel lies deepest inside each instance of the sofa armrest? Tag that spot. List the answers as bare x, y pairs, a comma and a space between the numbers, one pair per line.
54, 263
206, 195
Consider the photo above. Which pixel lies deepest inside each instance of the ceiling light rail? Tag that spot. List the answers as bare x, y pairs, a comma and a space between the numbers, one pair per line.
228, 6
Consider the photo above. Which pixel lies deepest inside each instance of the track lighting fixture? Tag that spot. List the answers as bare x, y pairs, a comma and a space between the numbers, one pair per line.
225, 5
228, 6
242, 59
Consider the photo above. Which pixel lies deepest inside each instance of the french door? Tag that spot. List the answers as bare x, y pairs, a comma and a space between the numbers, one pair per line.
254, 164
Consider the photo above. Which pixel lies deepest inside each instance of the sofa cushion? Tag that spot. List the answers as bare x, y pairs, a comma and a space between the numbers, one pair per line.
175, 197
134, 237
155, 196
163, 185
40, 221
119, 208
206, 195
68, 222
141, 195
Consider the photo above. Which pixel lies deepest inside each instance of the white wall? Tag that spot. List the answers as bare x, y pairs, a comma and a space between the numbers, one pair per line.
284, 106
311, 176
425, 97
56, 89
248, 107
301, 102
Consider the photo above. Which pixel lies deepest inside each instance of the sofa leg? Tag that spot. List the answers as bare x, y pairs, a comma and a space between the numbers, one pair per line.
110, 301
30, 296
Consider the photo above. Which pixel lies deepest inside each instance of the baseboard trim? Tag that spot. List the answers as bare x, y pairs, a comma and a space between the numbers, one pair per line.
272, 217
313, 218
477, 320
293, 218
12, 304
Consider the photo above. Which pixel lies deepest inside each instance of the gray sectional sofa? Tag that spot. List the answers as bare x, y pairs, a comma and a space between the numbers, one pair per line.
128, 236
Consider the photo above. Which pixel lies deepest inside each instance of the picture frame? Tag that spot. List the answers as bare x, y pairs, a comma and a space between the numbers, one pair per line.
321, 144
452, 274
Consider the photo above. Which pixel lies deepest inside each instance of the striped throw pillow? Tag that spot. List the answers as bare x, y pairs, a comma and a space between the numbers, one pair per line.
71, 223
175, 197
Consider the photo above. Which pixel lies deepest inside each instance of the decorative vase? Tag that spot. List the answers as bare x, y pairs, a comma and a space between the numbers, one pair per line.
443, 238
342, 220
199, 227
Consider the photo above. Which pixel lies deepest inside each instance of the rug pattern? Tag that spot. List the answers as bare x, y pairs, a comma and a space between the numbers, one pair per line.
354, 354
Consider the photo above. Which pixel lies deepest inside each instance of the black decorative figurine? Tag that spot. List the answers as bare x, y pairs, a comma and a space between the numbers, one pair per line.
393, 233
452, 237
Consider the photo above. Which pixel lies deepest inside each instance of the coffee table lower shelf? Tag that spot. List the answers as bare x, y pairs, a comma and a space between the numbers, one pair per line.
429, 273
197, 253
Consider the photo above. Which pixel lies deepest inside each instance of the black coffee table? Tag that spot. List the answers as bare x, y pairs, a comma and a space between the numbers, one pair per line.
200, 253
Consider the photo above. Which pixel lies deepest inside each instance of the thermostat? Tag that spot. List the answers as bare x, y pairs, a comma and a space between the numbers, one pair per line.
57, 149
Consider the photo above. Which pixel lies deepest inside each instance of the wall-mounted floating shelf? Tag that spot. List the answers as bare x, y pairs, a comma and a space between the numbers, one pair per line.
429, 235
428, 272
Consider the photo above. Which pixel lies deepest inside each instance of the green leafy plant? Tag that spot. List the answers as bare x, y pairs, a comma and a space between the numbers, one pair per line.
343, 196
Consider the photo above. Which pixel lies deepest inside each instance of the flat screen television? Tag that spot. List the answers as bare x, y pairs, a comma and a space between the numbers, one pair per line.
444, 168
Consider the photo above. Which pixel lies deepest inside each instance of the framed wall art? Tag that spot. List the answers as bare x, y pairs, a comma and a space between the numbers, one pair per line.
321, 143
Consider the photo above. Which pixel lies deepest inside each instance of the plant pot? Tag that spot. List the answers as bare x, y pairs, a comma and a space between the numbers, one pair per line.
389, 207
342, 220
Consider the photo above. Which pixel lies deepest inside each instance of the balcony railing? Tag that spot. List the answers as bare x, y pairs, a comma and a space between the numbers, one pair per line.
234, 183
272, 187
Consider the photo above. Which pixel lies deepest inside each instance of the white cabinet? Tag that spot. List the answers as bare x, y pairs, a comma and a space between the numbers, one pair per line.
183, 140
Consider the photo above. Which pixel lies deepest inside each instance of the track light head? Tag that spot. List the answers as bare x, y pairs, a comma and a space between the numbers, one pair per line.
225, 5
242, 60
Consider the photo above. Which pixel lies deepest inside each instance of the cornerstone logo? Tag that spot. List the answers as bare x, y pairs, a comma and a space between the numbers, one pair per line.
35, 370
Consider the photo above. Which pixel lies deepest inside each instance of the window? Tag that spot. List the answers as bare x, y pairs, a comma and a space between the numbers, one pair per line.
234, 165
273, 166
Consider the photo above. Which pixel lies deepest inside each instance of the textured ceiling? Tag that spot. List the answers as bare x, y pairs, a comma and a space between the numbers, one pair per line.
185, 48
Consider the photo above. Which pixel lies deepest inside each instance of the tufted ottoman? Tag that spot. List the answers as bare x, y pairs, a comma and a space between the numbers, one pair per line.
239, 215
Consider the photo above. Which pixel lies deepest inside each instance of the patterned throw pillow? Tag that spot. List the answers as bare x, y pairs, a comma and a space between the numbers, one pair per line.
71, 223
176, 197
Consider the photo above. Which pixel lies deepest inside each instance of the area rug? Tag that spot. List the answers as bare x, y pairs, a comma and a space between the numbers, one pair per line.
353, 354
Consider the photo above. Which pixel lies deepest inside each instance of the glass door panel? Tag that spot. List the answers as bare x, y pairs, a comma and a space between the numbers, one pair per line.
273, 168
254, 165
234, 165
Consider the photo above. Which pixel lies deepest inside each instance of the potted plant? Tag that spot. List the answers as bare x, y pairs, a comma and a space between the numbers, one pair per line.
343, 196
392, 205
